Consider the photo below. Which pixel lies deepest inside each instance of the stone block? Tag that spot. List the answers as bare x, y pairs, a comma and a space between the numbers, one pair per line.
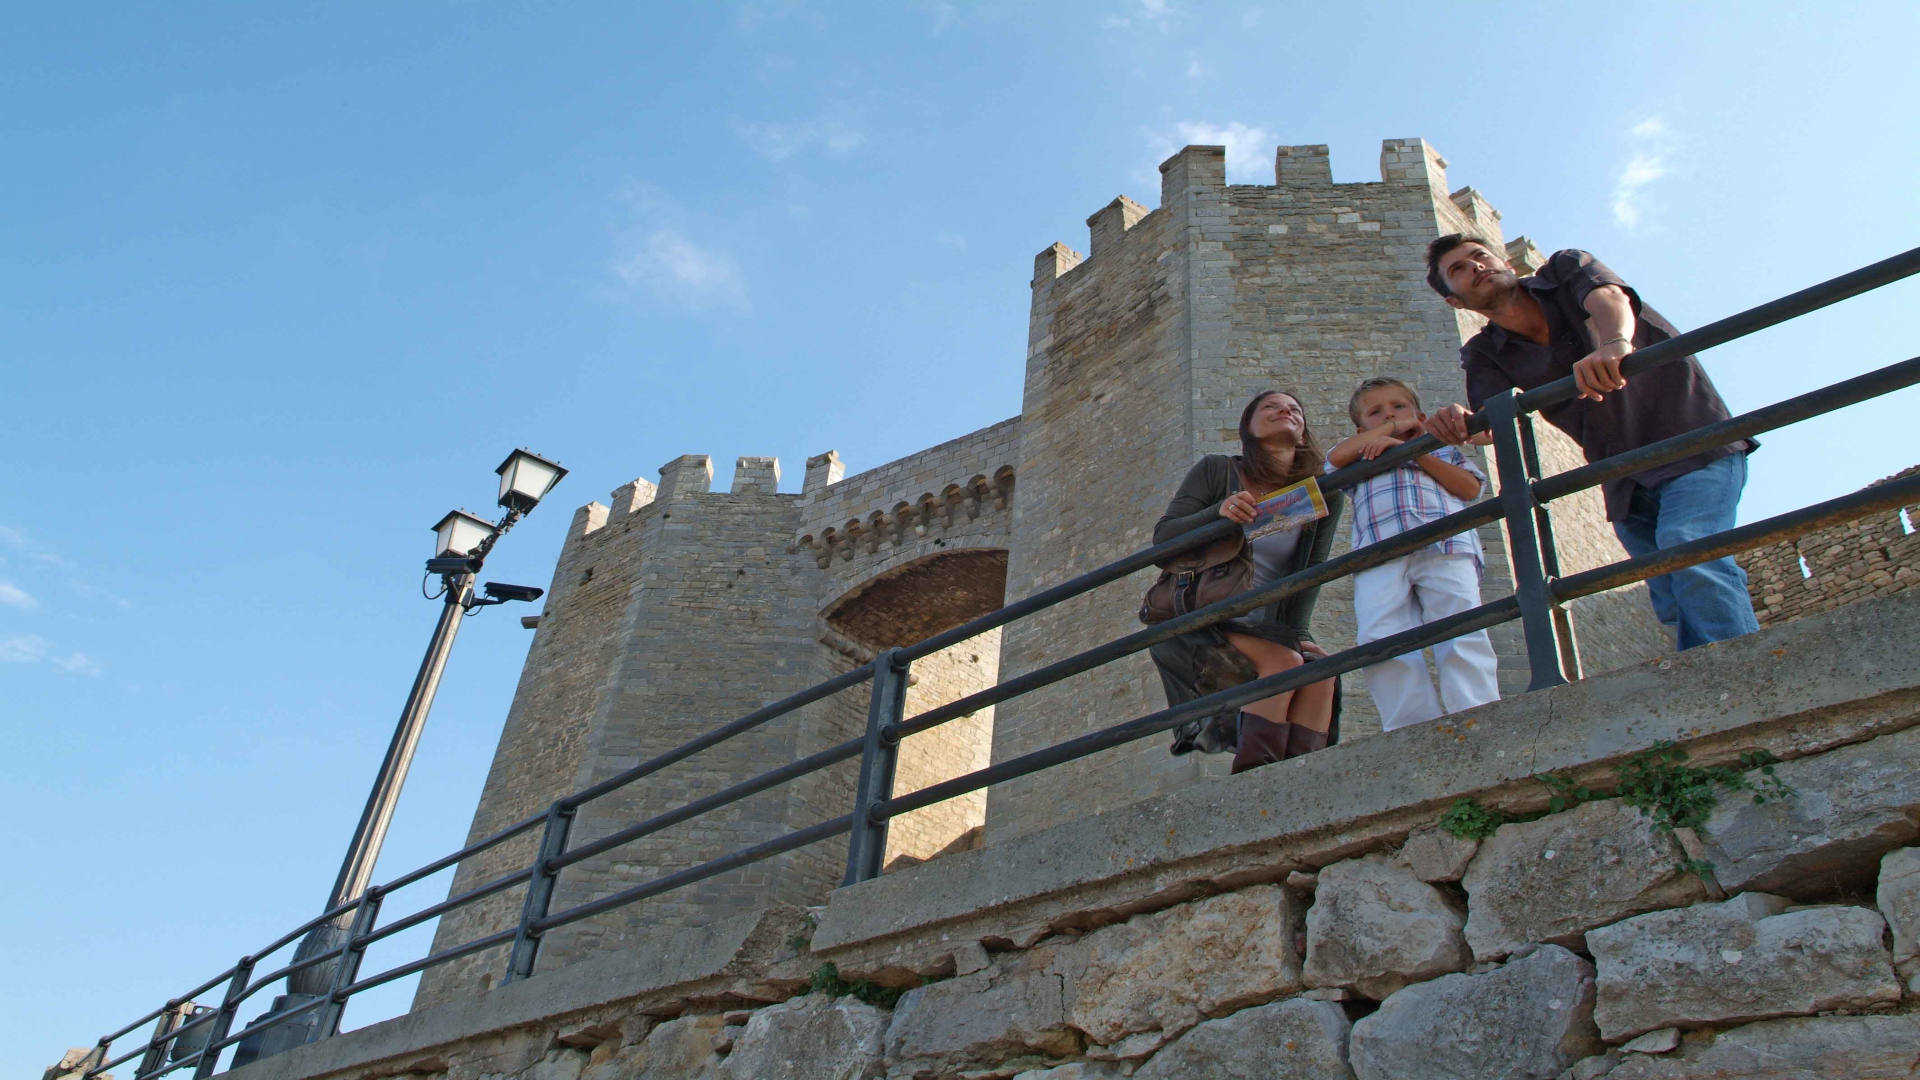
1660, 1041
1010, 1013
1553, 879
1076, 1070
1898, 897
1850, 806
810, 1038
1747, 958
1287, 1040
1376, 927
1854, 1047
1434, 854
1132, 986
1526, 1020
679, 1049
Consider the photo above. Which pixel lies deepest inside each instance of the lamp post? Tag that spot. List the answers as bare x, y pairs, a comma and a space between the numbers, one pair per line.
461, 544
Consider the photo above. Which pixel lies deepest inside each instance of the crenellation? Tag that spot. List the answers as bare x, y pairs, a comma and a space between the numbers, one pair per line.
688, 474
1054, 261
586, 520
632, 496
756, 476
1412, 161
1111, 222
1302, 166
1188, 176
823, 470
1477, 209
1524, 256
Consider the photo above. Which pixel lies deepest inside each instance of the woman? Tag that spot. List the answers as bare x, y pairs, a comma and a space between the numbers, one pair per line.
1276, 449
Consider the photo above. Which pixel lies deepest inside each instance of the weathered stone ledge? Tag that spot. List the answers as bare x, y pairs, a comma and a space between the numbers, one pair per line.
1143, 939
1792, 690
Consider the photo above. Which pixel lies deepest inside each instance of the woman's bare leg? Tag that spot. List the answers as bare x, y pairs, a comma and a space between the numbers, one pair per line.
1271, 658
1312, 706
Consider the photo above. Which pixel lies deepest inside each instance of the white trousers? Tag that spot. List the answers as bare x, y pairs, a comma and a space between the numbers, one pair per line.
1406, 593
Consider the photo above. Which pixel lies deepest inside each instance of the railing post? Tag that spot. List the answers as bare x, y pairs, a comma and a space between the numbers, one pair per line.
347, 967
222, 1022
1549, 552
526, 940
1523, 542
156, 1055
878, 756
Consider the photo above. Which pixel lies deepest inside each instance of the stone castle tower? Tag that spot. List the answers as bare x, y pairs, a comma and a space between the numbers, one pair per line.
677, 608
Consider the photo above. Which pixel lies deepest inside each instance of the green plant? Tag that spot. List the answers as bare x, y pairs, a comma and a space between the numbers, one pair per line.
1658, 782
826, 979
1468, 820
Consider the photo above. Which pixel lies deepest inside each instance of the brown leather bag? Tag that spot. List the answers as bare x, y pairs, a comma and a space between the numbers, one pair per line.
1200, 577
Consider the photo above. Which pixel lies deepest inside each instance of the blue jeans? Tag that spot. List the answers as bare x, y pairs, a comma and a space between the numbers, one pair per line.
1703, 603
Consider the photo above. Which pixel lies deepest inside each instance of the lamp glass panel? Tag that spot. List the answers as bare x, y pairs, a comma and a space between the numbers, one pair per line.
459, 534
527, 476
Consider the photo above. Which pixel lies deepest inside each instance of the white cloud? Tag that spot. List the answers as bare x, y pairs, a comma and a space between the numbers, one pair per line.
952, 240
1649, 155
1250, 18
1143, 13
779, 141
23, 649
32, 550
1249, 148
679, 271
1195, 69
79, 664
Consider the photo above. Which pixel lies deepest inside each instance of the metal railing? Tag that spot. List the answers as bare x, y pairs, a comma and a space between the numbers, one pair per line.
178, 1039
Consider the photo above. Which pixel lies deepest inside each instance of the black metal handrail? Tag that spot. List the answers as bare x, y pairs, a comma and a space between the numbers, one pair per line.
1522, 503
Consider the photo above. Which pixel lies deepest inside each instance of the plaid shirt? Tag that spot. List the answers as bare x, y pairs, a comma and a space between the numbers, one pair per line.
1406, 497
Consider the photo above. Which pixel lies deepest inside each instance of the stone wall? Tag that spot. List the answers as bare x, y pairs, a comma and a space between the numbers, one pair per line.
1311, 919
540, 752
1843, 564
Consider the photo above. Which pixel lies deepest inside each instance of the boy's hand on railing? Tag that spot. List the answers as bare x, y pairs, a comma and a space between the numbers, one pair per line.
1238, 507
1373, 445
1311, 650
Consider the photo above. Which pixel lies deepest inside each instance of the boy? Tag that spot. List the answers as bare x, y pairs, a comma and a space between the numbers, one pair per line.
1439, 580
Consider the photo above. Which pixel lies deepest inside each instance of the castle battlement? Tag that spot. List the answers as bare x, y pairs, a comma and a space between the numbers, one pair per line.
927, 494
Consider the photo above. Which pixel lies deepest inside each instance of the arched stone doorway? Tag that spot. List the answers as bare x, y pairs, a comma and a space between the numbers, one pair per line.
910, 603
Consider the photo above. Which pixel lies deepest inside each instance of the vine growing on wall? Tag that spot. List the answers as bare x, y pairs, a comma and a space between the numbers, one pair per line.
1656, 781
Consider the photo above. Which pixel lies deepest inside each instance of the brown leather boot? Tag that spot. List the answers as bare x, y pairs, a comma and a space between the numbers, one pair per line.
1261, 741
1305, 740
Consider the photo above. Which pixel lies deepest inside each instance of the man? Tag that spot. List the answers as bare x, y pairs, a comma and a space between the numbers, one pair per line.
1577, 317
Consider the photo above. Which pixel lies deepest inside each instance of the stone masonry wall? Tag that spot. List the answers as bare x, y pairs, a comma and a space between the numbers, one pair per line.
539, 756
719, 621
1845, 563
1348, 934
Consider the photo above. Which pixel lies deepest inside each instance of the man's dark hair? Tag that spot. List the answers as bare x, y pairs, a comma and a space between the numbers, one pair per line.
1439, 248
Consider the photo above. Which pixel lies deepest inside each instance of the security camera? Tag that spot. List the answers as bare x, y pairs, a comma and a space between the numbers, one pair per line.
498, 592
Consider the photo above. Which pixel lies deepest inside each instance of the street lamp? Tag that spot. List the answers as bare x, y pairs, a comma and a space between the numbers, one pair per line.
461, 543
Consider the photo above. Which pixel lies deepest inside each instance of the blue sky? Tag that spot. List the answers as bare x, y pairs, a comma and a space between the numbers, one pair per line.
284, 282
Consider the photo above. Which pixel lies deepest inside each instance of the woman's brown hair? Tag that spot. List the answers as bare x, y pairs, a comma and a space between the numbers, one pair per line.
1258, 466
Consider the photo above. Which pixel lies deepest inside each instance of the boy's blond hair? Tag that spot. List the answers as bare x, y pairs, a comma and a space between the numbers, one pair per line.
1353, 403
